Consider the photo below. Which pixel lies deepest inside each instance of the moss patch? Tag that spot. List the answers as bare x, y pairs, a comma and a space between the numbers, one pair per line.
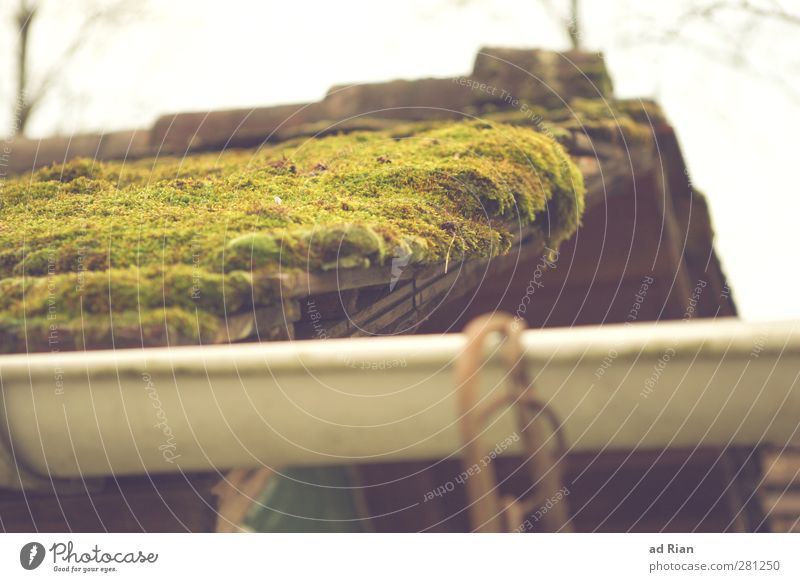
201, 236
629, 122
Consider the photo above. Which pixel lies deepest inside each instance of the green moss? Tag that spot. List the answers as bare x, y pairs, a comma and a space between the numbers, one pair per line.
159, 327
201, 236
628, 122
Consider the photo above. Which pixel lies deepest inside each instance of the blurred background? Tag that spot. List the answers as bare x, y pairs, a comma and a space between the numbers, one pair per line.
725, 72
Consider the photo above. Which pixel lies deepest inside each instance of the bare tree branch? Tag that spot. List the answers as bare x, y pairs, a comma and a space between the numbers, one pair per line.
570, 24
706, 13
574, 29
732, 36
29, 98
24, 18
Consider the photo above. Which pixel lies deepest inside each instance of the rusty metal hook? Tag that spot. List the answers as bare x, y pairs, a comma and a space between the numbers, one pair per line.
488, 511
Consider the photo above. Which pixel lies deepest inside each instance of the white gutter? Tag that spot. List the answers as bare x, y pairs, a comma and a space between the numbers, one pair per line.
382, 399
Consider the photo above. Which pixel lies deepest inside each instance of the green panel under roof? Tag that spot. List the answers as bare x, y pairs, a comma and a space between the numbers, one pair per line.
160, 251
309, 499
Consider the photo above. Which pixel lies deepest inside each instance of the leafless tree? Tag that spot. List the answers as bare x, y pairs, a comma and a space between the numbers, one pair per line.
731, 23
567, 15
568, 18
33, 86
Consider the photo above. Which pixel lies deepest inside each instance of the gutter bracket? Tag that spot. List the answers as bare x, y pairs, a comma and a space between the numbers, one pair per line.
488, 510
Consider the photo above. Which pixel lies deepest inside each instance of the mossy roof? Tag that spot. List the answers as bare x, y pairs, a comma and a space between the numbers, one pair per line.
160, 251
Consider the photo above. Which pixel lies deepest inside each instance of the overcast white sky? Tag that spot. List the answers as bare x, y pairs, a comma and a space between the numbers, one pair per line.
739, 129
